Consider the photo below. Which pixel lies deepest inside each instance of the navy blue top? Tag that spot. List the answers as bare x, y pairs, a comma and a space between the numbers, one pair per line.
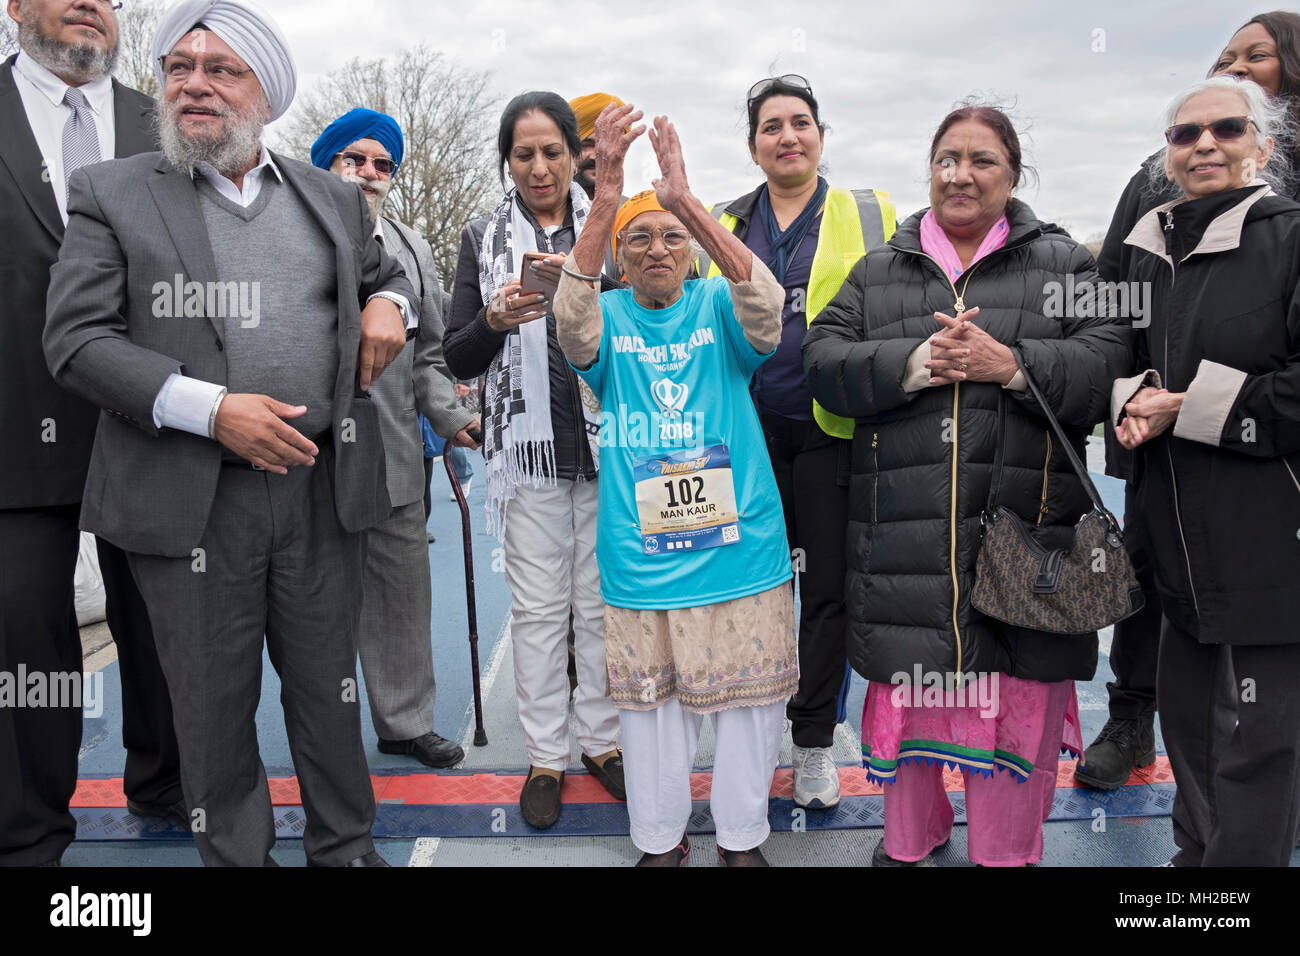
779, 385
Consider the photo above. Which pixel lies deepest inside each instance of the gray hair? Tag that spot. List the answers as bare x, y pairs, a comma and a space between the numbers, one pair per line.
1271, 119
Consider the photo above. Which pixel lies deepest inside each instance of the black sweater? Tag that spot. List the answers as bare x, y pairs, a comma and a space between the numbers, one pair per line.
470, 344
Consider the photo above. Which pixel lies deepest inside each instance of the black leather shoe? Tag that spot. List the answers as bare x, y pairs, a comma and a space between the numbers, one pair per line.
539, 801
674, 857
880, 858
430, 749
174, 812
370, 859
752, 857
1124, 743
610, 775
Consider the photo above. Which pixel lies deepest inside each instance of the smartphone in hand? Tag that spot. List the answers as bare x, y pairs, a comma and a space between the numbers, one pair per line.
530, 282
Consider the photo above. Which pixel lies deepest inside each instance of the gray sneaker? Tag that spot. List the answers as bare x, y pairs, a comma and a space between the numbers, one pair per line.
816, 779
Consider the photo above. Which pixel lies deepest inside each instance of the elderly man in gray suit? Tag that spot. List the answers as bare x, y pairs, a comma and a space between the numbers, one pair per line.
366, 147
195, 288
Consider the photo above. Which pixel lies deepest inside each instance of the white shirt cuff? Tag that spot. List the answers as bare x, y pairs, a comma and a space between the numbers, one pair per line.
186, 404
915, 375
1017, 383
411, 319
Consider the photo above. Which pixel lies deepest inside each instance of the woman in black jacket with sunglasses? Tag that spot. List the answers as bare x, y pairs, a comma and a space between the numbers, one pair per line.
1215, 419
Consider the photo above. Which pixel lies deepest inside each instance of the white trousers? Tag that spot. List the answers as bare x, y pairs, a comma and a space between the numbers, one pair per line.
658, 754
550, 564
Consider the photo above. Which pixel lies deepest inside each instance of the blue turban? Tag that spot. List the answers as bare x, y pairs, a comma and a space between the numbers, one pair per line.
353, 125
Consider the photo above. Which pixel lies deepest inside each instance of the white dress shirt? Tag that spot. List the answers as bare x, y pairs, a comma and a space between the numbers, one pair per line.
42, 95
190, 404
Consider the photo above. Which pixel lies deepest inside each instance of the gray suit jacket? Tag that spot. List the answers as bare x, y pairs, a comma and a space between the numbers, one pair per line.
136, 222
419, 377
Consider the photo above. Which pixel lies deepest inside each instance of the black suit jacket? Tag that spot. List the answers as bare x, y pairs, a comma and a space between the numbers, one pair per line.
36, 472
133, 222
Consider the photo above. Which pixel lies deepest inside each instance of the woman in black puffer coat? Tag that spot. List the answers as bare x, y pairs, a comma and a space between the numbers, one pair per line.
921, 346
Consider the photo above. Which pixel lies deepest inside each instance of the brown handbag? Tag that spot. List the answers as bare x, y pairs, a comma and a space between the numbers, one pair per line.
1074, 590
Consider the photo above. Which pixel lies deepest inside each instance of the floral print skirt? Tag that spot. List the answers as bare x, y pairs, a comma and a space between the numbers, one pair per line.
738, 653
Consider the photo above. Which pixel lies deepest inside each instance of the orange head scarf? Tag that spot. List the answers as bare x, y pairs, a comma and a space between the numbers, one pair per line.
644, 201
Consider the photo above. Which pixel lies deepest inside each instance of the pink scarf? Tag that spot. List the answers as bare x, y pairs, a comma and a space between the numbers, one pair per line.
936, 244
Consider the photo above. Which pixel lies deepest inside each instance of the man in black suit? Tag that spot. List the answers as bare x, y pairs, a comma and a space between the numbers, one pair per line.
228, 309
67, 50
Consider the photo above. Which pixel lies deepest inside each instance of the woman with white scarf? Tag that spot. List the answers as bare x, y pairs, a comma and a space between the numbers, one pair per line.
540, 428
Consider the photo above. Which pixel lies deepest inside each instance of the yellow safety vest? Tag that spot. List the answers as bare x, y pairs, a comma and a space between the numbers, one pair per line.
853, 221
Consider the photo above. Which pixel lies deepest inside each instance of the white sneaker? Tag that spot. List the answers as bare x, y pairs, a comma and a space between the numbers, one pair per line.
463, 487
816, 779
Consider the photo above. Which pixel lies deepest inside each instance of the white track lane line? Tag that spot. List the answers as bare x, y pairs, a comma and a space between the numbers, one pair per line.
425, 848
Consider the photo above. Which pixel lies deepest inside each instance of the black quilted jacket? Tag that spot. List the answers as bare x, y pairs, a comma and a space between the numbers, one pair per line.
922, 461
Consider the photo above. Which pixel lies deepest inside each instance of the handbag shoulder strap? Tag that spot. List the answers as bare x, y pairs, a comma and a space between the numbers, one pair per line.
1075, 463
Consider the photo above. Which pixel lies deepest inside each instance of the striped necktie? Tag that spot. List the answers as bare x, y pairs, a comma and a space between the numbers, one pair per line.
80, 138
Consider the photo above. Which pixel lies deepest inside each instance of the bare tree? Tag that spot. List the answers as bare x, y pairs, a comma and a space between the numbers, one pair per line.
446, 177
8, 36
136, 25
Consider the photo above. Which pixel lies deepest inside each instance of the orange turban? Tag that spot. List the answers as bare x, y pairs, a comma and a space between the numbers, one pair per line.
644, 201
587, 108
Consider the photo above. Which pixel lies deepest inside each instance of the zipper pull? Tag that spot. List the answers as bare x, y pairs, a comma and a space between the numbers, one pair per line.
873, 439
959, 306
1169, 220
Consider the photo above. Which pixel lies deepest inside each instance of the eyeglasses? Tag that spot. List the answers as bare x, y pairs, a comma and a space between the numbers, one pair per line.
383, 166
674, 239
177, 69
762, 86
1224, 130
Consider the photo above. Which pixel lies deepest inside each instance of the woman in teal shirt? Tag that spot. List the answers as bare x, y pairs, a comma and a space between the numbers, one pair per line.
691, 537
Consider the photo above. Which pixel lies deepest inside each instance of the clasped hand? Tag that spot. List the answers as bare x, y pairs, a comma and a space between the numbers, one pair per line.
1148, 414
963, 352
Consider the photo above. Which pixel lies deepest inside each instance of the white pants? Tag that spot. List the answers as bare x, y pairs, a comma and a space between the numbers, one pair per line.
550, 564
659, 751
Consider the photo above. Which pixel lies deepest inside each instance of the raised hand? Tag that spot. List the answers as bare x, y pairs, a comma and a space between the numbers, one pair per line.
671, 188
614, 136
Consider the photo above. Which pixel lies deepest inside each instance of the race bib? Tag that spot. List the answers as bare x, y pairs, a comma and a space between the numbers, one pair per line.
686, 500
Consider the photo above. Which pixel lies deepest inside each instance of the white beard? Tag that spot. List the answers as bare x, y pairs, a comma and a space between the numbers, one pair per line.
374, 200
228, 155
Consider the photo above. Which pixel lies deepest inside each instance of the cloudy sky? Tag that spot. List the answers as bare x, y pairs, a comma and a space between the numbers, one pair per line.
1089, 80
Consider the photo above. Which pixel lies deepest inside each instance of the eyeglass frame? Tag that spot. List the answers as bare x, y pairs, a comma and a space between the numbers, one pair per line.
663, 237
236, 75
1202, 127
374, 161
787, 79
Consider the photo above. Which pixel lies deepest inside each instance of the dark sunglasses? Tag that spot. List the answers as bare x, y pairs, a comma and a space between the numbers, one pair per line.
384, 167
762, 86
1224, 130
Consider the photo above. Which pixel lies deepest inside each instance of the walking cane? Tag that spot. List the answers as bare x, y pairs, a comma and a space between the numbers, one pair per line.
480, 735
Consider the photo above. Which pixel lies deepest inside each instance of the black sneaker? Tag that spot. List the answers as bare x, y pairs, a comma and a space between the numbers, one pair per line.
674, 857
1124, 743
752, 857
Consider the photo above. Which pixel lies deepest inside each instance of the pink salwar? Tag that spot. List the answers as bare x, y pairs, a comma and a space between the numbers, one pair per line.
1004, 810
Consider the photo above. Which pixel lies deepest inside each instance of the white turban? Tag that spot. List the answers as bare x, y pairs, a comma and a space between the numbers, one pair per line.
251, 33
